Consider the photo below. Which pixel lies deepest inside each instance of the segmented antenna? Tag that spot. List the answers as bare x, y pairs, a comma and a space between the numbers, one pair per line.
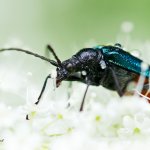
30, 53
54, 54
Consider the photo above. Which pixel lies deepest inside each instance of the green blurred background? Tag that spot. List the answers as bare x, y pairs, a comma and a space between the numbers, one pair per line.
69, 24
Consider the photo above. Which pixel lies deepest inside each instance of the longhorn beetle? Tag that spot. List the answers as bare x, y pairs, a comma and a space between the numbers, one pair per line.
109, 66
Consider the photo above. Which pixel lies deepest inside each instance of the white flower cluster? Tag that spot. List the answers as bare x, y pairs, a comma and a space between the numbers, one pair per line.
107, 122
121, 123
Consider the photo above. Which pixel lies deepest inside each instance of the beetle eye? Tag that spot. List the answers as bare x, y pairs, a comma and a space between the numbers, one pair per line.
69, 67
57, 69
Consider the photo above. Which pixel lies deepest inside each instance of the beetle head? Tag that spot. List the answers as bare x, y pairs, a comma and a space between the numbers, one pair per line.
87, 64
67, 68
64, 69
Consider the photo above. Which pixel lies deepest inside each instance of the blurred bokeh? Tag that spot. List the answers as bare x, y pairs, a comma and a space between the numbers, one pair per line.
69, 24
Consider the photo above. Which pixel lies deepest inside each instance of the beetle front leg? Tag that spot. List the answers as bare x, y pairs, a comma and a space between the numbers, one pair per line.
41, 93
43, 89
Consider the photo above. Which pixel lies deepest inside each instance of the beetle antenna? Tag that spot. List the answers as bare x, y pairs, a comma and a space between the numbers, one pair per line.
31, 53
54, 54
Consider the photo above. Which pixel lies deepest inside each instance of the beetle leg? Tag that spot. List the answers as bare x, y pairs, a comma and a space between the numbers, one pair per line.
76, 77
118, 88
83, 100
43, 89
69, 93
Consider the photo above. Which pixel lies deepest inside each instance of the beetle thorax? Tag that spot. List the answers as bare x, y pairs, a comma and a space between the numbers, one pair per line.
87, 64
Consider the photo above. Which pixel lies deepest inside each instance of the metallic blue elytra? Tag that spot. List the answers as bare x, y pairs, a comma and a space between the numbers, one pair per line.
119, 57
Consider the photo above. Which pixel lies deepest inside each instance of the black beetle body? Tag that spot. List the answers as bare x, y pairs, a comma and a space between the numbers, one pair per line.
90, 67
109, 66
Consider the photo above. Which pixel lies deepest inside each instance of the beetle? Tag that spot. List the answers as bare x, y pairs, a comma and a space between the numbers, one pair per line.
109, 66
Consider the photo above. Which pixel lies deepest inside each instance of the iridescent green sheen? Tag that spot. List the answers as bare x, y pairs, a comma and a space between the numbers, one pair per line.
119, 57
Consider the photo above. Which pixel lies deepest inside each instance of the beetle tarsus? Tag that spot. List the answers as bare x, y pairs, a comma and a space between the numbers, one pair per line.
36, 103
27, 117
